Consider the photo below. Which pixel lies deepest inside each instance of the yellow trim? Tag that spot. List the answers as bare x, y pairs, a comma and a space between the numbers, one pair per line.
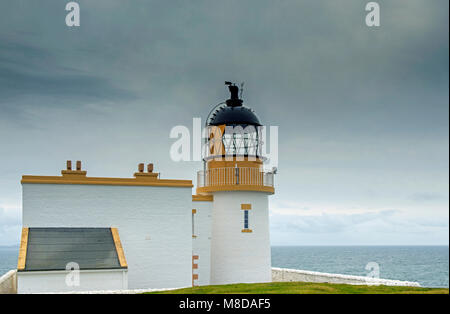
73, 172
221, 162
246, 206
23, 250
202, 198
146, 175
247, 230
258, 188
82, 179
194, 211
222, 176
119, 248
217, 146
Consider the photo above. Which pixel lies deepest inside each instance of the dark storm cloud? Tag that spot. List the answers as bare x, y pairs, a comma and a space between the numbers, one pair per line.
303, 57
27, 70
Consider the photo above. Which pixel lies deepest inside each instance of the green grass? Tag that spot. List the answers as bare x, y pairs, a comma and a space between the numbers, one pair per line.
304, 288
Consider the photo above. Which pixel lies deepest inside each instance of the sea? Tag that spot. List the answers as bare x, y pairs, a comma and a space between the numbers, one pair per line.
427, 265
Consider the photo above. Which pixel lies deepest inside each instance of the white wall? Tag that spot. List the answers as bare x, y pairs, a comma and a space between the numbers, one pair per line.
8, 282
55, 281
237, 256
201, 244
285, 274
154, 224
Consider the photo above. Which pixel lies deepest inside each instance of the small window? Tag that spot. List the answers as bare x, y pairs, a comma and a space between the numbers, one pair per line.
245, 219
193, 223
246, 208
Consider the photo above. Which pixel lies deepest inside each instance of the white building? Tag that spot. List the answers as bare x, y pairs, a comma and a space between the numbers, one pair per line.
163, 236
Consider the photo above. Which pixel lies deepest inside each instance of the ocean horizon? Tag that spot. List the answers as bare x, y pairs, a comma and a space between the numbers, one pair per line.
428, 265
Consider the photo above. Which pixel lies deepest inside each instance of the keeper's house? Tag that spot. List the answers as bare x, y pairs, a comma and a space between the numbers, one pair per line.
66, 217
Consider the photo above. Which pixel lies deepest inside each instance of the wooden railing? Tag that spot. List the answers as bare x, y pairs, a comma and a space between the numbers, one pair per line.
234, 176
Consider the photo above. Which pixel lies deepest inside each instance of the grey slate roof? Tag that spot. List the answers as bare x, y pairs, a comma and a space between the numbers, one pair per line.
53, 248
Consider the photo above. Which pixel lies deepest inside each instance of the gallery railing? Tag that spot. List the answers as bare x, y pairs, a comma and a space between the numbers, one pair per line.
234, 176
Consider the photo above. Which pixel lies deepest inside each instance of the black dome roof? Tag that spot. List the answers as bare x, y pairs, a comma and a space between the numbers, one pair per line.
234, 115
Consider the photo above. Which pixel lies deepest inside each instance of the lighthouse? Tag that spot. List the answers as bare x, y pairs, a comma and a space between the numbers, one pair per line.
148, 232
234, 177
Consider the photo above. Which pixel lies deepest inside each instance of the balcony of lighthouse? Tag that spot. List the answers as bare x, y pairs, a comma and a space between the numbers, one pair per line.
235, 179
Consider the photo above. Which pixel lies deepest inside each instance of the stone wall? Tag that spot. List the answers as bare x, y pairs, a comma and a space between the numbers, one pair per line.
8, 282
284, 274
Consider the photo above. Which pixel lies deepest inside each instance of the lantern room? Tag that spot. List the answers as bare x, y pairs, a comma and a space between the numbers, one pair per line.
233, 159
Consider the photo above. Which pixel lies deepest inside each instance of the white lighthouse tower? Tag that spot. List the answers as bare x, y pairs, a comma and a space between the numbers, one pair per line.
233, 174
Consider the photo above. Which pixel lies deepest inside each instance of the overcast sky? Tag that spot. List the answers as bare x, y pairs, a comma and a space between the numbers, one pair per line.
362, 112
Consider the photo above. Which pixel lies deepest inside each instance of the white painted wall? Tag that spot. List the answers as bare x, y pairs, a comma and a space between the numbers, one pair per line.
236, 256
154, 224
201, 244
55, 281
285, 274
8, 282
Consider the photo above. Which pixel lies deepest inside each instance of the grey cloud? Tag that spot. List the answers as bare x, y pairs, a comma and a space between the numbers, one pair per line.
385, 222
327, 223
29, 70
427, 197
10, 226
10, 217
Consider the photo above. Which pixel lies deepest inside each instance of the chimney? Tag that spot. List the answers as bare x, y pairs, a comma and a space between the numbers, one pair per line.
73, 173
149, 175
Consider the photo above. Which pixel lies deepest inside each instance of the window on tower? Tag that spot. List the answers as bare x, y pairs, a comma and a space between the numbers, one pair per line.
194, 211
245, 219
246, 208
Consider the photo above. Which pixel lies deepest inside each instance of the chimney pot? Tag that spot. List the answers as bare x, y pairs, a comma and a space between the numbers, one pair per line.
150, 168
69, 165
141, 167
78, 165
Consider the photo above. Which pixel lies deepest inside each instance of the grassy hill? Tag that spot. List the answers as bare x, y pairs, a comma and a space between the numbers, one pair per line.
304, 288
